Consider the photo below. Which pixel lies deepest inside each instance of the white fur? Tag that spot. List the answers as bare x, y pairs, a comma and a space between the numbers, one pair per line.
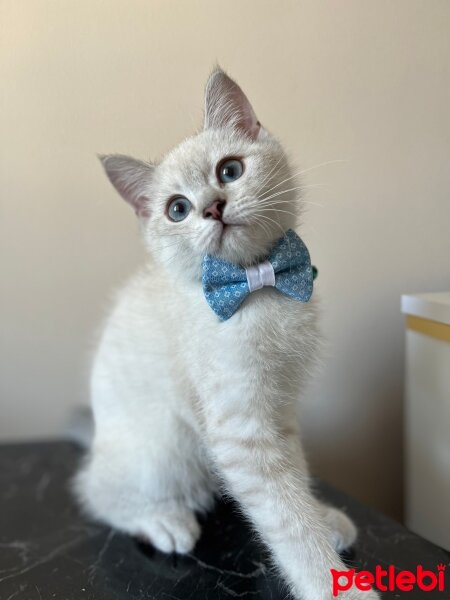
183, 403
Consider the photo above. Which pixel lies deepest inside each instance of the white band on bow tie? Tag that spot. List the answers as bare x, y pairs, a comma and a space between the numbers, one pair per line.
260, 276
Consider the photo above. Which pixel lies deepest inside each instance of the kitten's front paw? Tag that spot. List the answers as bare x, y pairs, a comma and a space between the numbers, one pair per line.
343, 531
171, 531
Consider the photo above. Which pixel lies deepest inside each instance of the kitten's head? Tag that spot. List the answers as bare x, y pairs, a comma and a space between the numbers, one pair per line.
226, 191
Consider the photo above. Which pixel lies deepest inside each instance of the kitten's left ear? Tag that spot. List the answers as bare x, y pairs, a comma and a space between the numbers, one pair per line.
131, 178
226, 105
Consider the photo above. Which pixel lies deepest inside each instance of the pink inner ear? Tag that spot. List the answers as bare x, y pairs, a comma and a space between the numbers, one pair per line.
141, 207
227, 106
130, 177
252, 127
247, 120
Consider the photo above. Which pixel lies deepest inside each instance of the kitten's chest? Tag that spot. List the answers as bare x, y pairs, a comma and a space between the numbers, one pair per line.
271, 319
268, 325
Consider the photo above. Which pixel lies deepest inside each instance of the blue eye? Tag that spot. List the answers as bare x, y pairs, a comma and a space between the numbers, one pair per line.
179, 208
230, 170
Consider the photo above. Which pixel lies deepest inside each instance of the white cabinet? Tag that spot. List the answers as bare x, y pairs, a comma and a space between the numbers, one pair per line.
427, 416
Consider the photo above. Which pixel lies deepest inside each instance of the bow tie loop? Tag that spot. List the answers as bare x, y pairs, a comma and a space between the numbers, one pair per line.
288, 269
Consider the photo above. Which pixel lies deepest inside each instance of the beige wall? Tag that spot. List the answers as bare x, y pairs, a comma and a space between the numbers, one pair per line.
365, 83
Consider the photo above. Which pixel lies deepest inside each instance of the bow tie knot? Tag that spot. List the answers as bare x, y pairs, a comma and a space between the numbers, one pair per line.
288, 269
260, 276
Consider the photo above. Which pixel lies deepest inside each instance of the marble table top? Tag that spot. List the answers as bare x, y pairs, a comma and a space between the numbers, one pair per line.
48, 550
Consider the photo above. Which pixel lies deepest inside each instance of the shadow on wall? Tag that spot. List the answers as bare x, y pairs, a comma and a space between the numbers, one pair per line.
358, 445
355, 462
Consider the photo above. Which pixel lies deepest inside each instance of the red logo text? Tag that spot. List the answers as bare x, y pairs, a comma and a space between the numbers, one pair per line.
389, 579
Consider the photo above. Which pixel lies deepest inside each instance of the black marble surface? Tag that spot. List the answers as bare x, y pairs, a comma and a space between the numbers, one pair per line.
49, 551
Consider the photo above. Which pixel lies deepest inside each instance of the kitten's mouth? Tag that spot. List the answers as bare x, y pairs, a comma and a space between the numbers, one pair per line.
221, 233
226, 228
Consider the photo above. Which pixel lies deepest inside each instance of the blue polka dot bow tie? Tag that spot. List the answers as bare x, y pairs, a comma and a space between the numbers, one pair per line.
288, 269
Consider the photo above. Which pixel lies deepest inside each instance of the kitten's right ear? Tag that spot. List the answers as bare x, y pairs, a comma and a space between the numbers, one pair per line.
226, 105
131, 178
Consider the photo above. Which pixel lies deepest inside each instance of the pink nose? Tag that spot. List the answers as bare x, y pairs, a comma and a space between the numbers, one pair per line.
214, 210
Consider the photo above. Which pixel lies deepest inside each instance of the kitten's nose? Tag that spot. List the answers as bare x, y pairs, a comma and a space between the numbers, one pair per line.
214, 210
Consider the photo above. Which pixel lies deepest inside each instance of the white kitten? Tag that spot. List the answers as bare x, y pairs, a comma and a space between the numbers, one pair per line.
185, 403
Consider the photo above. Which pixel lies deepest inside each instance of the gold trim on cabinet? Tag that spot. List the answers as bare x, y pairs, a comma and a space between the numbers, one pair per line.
440, 331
